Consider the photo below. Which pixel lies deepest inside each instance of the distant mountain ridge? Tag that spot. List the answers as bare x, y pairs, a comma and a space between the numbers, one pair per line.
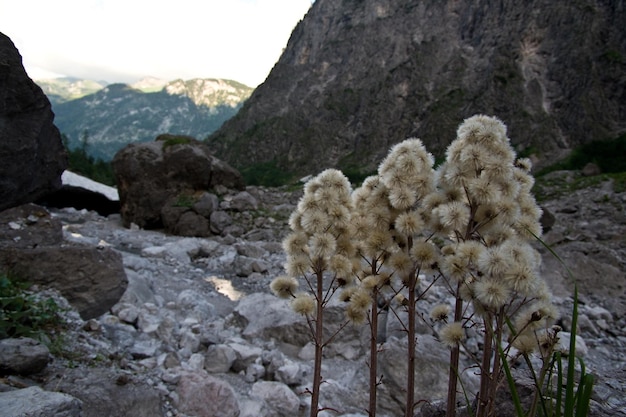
60, 90
111, 116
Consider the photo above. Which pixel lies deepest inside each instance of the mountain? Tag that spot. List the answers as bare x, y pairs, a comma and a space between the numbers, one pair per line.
60, 90
360, 75
119, 114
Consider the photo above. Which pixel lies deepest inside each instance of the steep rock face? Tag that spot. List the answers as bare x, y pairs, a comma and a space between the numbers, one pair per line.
360, 75
32, 156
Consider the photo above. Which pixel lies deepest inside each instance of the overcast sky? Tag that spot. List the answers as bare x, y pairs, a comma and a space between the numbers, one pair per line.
126, 40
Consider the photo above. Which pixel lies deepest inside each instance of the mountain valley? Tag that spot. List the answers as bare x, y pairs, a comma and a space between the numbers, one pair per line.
105, 118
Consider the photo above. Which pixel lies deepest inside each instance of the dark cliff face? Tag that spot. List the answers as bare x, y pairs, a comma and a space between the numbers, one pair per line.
360, 75
32, 156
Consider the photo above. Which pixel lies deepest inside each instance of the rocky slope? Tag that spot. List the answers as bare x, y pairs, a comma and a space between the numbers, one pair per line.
197, 327
357, 76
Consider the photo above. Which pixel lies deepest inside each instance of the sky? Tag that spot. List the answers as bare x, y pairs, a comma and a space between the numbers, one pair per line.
127, 40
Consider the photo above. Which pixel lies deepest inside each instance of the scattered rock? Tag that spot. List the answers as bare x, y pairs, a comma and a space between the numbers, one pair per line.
23, 356
189, 310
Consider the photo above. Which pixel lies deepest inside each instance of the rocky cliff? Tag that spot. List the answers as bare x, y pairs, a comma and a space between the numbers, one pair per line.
32, 156
359, 75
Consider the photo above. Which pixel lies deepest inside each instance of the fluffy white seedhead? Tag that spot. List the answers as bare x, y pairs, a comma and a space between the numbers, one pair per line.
484, 206
452, 334
408, 173
284, 286
304, 304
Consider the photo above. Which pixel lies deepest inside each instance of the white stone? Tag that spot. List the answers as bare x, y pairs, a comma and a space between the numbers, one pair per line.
196, 362
254, 372
128, 314
292, 373
154, 252
598, 313
564, 342
246, 354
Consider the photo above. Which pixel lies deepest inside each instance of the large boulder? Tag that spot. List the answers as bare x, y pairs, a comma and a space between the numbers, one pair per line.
29, 226
35, 402
172, 171
23, 356
92, 279
32, 156
108, 392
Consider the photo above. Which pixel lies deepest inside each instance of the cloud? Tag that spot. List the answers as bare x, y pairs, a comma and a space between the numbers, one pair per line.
124, 40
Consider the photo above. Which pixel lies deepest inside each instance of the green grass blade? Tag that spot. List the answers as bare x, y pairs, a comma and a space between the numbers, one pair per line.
571, 361
509, 378
584, 396
559, 384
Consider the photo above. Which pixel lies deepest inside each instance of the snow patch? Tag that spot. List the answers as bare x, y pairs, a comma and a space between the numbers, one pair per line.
75, 180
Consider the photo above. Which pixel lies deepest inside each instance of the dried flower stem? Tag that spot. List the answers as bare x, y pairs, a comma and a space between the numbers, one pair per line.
455, 354
373, 382
410, 383
319, 345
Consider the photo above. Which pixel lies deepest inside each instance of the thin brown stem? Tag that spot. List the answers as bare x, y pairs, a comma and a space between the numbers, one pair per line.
371, 412
410, 383
486, 377
319, 346
454, 360
495, 378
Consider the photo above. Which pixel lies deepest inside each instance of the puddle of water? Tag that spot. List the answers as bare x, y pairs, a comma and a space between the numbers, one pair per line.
225, 287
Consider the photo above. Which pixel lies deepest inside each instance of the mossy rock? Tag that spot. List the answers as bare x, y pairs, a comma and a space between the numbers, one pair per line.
171, 140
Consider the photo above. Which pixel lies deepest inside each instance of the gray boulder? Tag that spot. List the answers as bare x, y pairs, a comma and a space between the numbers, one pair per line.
202, 395
29, 226
35, 402
107, 392
23, 356
91, 279
174, 171
278, 396
32, 156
